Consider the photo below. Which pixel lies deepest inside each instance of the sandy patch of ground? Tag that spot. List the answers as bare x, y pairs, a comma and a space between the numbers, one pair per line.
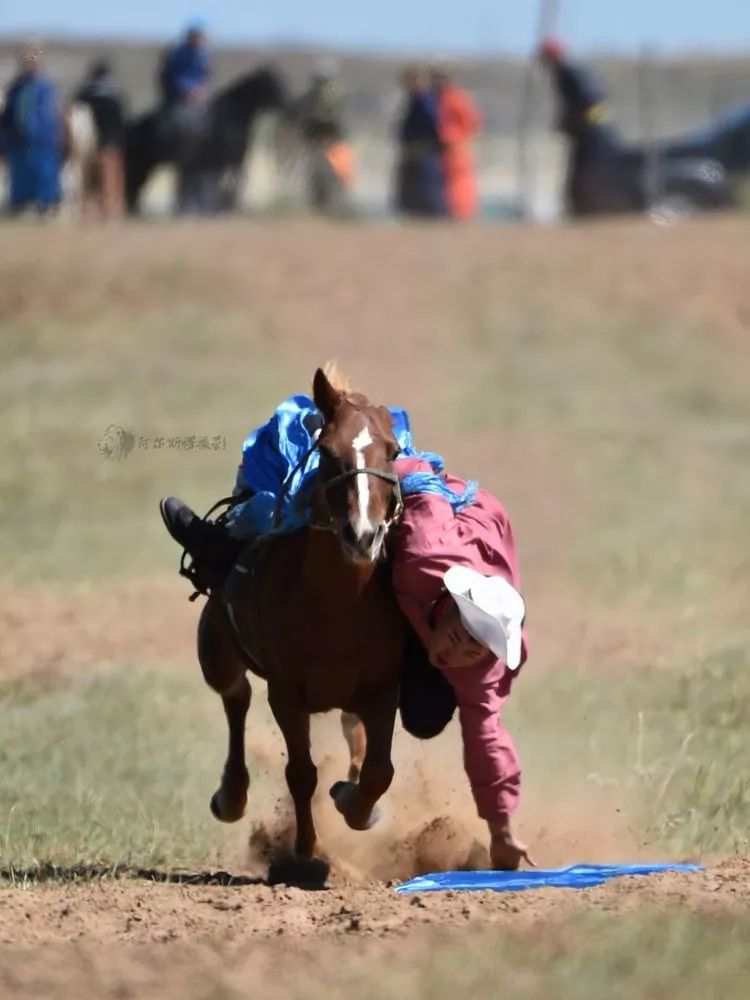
123, 938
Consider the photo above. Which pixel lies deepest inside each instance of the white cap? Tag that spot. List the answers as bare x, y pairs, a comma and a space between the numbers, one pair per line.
491, 609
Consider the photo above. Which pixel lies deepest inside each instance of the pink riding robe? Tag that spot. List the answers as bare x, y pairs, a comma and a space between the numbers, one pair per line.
432, 538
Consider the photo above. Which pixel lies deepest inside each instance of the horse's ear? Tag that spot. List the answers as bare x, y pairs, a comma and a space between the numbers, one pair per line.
325, 396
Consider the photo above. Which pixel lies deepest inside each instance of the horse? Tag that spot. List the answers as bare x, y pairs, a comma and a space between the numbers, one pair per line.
607, 176
79, 170
208, 147
317, 620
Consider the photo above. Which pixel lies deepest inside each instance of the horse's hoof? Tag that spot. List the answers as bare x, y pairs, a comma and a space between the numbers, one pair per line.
345, 795
219, 813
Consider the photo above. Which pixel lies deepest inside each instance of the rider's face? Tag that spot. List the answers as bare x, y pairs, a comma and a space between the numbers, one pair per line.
451, 645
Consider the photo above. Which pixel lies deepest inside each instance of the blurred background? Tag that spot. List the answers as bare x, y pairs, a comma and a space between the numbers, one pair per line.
666, 75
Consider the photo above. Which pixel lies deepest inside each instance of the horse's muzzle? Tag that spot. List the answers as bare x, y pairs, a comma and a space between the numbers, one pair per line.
365, 547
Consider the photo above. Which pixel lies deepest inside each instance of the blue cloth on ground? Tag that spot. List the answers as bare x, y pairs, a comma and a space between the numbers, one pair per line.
281, 452
573, 877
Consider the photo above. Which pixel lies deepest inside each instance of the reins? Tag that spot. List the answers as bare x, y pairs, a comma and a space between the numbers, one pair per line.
387, 477
344, 477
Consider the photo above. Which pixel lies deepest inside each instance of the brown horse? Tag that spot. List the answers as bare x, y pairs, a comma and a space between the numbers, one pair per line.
317, 620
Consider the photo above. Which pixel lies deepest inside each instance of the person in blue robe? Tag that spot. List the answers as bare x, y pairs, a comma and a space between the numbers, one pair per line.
420, 177
32, 136
185, 71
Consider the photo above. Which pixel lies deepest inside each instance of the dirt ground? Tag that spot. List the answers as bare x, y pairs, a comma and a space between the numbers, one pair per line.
135, 910
122, 938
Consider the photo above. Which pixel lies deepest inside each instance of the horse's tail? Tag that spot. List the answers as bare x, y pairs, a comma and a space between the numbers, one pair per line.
336, 377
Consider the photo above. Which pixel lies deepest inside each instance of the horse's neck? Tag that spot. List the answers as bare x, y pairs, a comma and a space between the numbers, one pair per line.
235, 107
327, 567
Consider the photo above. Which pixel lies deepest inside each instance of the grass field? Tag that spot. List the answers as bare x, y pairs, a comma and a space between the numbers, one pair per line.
596, 379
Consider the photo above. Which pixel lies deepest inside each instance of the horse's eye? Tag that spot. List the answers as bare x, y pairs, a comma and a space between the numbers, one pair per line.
396, 452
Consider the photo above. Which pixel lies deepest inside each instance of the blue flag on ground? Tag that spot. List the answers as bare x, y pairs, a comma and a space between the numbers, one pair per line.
573, 877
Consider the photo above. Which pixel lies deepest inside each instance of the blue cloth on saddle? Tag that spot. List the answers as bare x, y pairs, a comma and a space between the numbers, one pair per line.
573, 877
282, 451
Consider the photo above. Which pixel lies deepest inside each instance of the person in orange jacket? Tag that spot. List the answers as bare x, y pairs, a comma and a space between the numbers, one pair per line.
459, 122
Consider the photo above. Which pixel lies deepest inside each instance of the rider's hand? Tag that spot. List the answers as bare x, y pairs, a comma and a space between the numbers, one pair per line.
506, 851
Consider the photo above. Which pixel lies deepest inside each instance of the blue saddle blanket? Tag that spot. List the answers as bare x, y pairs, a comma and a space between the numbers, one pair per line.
281, 453
573, 877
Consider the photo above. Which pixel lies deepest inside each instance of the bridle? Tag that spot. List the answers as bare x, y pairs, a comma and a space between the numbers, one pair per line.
344, 477
387, 477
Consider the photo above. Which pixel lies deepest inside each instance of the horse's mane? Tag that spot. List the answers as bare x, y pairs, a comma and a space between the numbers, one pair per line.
336, 377
342, 384
254, 78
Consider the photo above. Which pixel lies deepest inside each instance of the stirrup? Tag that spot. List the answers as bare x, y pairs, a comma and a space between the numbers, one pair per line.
188, 568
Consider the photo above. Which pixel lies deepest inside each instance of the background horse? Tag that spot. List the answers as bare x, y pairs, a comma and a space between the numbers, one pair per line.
79, 171
209, 152
319, 623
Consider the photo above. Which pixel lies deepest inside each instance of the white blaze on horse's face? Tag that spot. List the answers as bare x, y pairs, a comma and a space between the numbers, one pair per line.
369, 536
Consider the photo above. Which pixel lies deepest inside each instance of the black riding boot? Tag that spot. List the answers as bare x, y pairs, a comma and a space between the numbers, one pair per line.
211, 546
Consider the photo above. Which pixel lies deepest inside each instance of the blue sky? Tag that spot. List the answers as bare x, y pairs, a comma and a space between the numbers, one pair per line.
437, 26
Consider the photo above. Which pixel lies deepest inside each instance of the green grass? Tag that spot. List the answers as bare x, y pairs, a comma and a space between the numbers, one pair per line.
671, 748
115, 769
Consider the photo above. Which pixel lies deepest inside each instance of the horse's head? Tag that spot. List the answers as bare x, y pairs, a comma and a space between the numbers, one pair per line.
357, 451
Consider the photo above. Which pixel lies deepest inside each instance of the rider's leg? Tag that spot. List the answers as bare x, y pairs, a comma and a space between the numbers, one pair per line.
207, 542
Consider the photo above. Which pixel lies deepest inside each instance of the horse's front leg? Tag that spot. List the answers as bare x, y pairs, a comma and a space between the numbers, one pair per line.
224, 671
357, 802
301, 773
356, 741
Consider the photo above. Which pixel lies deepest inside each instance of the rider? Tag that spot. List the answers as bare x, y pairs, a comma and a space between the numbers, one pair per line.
455, 578
183, 79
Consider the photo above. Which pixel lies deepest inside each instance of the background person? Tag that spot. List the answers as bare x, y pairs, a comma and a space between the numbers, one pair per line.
104, 188
584, 118
320, 116
33, 136
185, 71
420, 172
459, 123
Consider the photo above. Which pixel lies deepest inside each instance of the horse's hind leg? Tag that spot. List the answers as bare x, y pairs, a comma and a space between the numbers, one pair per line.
224, 671
354, 734
301, 773
356, 802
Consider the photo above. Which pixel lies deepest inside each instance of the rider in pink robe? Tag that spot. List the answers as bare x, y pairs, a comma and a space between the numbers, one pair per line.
431, 539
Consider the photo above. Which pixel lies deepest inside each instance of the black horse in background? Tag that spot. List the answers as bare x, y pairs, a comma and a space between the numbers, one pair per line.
726, 140
206, 144
606, 175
